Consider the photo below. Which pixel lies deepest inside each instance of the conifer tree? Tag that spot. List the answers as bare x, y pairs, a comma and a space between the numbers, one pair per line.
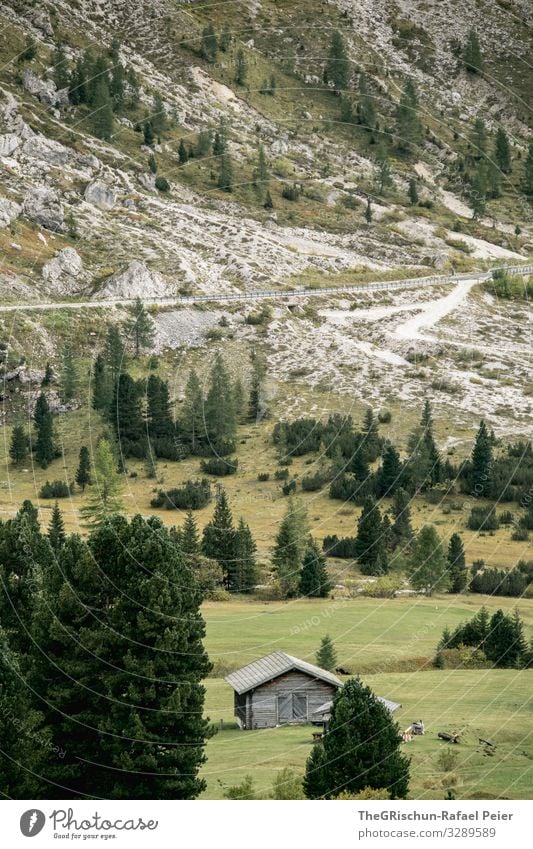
368, 211
122, 591
193, 419
502, 151
401, 527
220, 141
225, 173
133, 88
18, 447
256, 405
527, 181
44, 444
140, 327
390, 473
372, 441
241, 68
505, 644
118, 77
337, 69
426, 425
218, 540
68, 382
408, 125
314, 578
209, 43
481, 462
361, 748
326, 656
102, 386
244, 572
56, 529
413, 192
472, 55
60, 64
152, 164
220, 417
189, 536
148, 133
159, 116
289, 549
479, 138
114, 353
102, 111
366, 108
428, 565
127, 417
105, 499
238, 398
83, 472
183, 156
369, 543
383, 176
457, 564
262, 174
48, 375
478, 191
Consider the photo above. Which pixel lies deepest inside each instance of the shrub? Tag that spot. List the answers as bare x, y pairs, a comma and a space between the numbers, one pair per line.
287, 785
289, 487
193, 495
219, 466
447, 759
298, 437
506, 518
483, 519
244, 790
162, 184
55, 489
263, 476
520, 534
463, 657
281, 474
385, 587
344, 547
365, 793
312, 483
384, 416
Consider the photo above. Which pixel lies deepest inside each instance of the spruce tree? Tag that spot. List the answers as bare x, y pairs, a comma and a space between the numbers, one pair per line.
220, 416
83, 472
428, 565
289, 549
505, 645
457, 564
127, 417
479, 138
257, 407
502, 151
140, 326
159, 115
238, 398
102, 386
361, 748
60, 64
383, 176
390, 473
209, 46
114, 353
48, 375
225, 173
189, 536
118, 77
426, 425
105, 499
218, 540
372, 441
326, 656
56, 529
44, 447
413, 192
18, 447
408, 125
527, 180
241, 68
68, 381
401, 527
183, 156
472, 55
480, 471
314, 578
337, 69
244, 572
366, 108
262, 174
152, 164
148, 133
141, 733
369, 543
368, 211
102, 111
193, 418
220, 141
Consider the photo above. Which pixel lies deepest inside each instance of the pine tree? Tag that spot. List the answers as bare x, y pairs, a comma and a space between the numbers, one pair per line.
189, 537
105, 499
428, 566
457, 564
390, 473
426, 425
193, 419
142, 664
60, 64
241, 68
262, 174
140, 326
183, 156
97, 72
44, 443
413, 192
83, 472
127, 417
368, 211
225, 174
361, 748
527, 181
159, 116
209, 46
220, 417
114, 353
478, 191
289, 549
244, 572
48, 375
68, 381
479, 138
337, 70
383, 176
102, 386
366, 109
502, 151
218, 541
152, 164
326, 656
401, 528
257, 407
408, 125
369, 544
480, 475
472, 55
505, 644
18, 448
56, 529
314, 578
220, 142
102, 112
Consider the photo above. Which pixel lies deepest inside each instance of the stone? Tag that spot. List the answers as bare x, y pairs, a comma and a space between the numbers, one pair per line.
44, 206
46, 150
9, 210
100, 194
8, 144
136, 281
41, 20
43, 90
65, 264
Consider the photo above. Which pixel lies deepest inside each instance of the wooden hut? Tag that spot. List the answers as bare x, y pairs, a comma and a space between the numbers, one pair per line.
280, 690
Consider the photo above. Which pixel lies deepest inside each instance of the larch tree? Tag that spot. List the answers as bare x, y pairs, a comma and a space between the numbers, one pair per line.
428, 564
140, 327
105, 499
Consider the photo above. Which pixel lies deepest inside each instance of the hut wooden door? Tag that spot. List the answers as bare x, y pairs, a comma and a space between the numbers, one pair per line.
292, 707
285, 708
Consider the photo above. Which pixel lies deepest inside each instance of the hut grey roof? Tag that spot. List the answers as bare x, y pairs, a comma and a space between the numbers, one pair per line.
271, 666
324, 710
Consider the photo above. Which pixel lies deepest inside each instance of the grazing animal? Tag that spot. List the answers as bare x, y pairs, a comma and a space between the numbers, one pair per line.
340, 670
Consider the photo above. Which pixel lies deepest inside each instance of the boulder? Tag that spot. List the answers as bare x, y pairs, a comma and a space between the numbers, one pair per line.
100, 194
9, 210
63, 271
46, 150
44, 206
136, 281
41, 20
43, 90
8, 144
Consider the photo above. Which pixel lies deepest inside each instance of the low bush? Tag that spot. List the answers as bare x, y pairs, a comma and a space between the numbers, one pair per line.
193, 495
263, 476
219, 466
56, 489
483, 519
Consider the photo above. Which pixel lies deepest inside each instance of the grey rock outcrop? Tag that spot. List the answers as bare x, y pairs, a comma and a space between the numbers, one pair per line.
44, 206
136, 281
8, 144
43, 90
46, 150
64, 273
100, 194
9, 210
